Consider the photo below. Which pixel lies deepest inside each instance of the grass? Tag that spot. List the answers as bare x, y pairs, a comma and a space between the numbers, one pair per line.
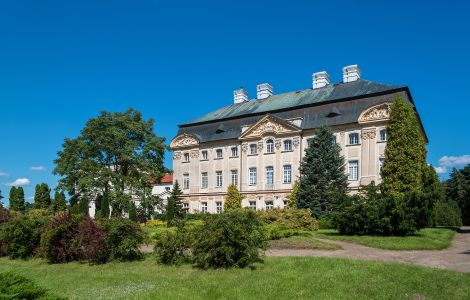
302, 242
425, 239
277, 278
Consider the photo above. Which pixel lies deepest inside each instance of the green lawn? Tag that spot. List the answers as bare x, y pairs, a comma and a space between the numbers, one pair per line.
277, 278
425, 239
302, 242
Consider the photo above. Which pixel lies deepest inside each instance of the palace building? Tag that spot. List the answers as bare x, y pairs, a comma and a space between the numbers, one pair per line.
258, 144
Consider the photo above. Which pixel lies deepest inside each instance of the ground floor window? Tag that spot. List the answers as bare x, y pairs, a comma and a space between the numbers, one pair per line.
253, 205
285, 202
204, 207
269, 204
186, 206
218, 206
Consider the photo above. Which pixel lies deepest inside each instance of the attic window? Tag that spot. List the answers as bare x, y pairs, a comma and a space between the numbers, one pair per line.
333, 112
220, 129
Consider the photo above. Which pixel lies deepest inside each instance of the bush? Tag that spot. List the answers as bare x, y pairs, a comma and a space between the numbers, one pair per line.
231, 239
447, 213
92, 241
275, 232
123, 238
289, 218
172, 247
13, 286
326, 222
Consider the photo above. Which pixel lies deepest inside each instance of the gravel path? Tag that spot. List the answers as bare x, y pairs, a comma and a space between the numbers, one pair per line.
456, 257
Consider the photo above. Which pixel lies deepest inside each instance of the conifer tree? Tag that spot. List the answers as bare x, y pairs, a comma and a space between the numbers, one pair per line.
405, 154
83, 206
292, 197
42, 196
17, 199
133, 212
322, 176
104, 211
234, 198
59, 203
12, 198
458, 189
174, 207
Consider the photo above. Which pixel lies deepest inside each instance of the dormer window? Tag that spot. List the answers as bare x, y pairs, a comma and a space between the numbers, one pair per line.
218, 153
270, 146
253, 149
186, 157
353, 138
234, 151
288, 145
383, 135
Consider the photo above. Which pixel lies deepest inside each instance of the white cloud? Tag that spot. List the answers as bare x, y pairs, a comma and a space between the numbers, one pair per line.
3, 174
19, 182
38, 168
441, 170
454, 161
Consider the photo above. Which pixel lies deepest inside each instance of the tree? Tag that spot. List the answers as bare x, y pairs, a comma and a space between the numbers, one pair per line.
292, 197
458, 189
433, 191
83, 206
133, 212
405, 154
234, 198
59, 203
115, 153
17, 201
322, 176
104, 211
174, 208
42, 196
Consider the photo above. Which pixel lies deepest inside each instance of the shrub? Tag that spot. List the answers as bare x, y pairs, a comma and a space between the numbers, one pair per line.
447, 213
13, 286
123, 238
289, 218
275, 232
171, 247
326, 222
92, 241
231, 239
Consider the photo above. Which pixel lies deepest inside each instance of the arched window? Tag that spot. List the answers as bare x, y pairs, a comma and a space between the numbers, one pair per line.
270, 146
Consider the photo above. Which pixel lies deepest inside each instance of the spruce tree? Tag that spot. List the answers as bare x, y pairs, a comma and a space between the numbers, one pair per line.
42, 196
292, 197
13, 198
83, 206
59, 203
20, 201
174, 207
322, 175
133, 212
104, 211
234, 198
405, 154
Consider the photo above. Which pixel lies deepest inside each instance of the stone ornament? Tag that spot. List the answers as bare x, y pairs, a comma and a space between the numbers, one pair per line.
245, 147
379, 112
269, 124
368, 134
177, 155
278, 144
184, 140
194, 154
260, 146
296, 141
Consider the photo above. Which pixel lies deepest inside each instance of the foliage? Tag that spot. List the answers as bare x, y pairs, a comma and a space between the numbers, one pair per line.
294, 194
231, 239
326, 222
172, 247
14, 286
322, 176
405, 154
17, 202
83, 204
174, 208
115, 153
133, 212
42, 196
147, 206
275, 232
233, 200
104, 207
123, 238
458, 189
447, 213
59, 203
289, 218
302, 242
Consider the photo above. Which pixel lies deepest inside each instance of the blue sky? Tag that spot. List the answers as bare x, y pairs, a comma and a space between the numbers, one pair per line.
61, 62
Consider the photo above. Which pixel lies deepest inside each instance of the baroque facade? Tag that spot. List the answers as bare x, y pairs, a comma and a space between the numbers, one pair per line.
258, 144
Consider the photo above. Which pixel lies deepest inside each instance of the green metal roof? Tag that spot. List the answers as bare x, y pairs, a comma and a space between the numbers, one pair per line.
328, 93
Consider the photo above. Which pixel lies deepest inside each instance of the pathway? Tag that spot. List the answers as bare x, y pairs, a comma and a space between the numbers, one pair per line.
456, 257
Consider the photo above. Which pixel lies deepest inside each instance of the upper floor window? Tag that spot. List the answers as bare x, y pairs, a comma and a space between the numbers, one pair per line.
234, 176
288, 145
234, 151
287, 173
269, 176
218, 182
204, 180
334, 140
205, 156
383, 135
186, 157
185, 181
309, 142
354, 138
252, 176
270, 146
353, 170
218, 153
253, 149
167, 188
381, 163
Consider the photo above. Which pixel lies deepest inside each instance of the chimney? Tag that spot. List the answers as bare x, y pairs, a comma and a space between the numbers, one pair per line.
320, 79
351, 73
240, 96
263, 90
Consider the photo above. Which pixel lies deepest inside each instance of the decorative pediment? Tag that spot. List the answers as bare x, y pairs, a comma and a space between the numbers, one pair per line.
376, 113
183, 141
269, 125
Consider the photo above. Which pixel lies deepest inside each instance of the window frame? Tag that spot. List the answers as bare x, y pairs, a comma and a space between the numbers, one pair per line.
204, 207
232, 152
252, 205
384, 139
219, 207
186, 157
284, 169
204, 155
356, 134
234, 174
204, 180
185, 181
219, 175
271, 170
253, 176
253, 149
285, 143
350, 177
217, 152
270, 206
269, 146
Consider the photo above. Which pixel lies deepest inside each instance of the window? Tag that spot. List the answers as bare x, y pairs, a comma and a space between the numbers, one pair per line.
334, 140
218, 153
269, 177
186, 157
218, 181
185, 181
253, 205
186, 206
204, 180
287, 172
234, 177
218, 207
252, 176
381, 163
269, 205
353, 138
270, 146
285, 202
309, 142
167, 188
234, 151
204, 207
288, 145
383, 135
204, 155
353, 170
253, 149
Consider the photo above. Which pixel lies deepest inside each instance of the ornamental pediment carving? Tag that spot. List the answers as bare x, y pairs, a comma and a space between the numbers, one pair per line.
376, 113
184, 140
269, 125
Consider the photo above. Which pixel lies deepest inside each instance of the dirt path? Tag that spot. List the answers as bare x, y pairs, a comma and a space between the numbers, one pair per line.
457, 257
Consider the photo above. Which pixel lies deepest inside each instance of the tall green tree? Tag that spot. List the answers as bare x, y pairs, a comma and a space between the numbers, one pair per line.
405, 154
42, 196
174, 207
83, 206
133, 212
59, 203
233, 200
17, 202
114, 153
458, 189
104, 209
322, 176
